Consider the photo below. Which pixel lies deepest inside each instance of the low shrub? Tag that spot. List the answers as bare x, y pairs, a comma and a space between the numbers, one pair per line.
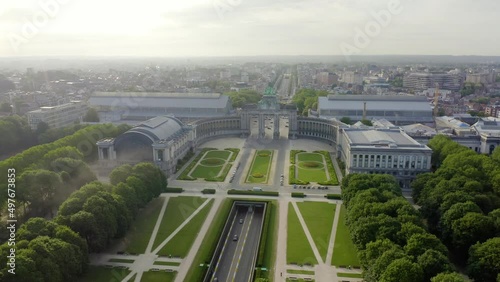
298, 195
208, 191
249, 192
333, 196
257, 175
173, 190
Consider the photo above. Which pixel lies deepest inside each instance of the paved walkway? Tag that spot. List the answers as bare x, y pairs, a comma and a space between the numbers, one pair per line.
280, 264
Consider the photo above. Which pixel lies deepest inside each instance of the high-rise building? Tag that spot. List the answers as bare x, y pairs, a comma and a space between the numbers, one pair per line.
58, 116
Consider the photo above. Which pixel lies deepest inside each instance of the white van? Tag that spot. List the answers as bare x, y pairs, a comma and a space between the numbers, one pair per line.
257, 189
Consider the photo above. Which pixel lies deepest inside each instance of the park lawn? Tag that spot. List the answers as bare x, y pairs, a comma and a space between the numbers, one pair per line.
158, 276
309, 157
219, 154
260, 165
313, 174
319, 220
298, 250
138, 236
180, 244
103, 274
178, 209
204, 254
344, 251
202, 171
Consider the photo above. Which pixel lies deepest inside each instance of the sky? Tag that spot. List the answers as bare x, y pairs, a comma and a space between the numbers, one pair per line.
185, 28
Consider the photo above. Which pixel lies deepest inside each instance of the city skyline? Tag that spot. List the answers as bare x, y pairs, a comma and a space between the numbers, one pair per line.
243, 28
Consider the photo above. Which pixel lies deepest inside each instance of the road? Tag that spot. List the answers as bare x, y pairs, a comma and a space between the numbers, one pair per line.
237, 258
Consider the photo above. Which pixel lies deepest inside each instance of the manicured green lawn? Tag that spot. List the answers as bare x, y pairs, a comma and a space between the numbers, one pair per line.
261, 165
137, 238
293, 271
103, 274
207, 248
319, 220
158, 276
298, 250
269, 239
212, 164
121, 260
307, 157
350, 275
219, 154
181, 243
178, 209
344, 251
311, 174
171, 263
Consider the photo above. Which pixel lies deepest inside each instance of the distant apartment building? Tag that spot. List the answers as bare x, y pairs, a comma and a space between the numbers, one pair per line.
422, 81
492, 110
383, 151
481, 78
58, 116
351, 77
326, 78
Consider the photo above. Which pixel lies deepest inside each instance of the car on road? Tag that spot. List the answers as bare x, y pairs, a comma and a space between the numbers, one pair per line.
235, 238
241, 220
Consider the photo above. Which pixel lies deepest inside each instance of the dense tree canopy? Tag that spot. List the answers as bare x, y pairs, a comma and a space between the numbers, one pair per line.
307, 99
46, 251
243, 97
459, 197
16, 134
389, 233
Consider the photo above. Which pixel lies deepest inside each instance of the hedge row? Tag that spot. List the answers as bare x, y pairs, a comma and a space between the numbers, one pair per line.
298, 195
173, 190
293, 153
333, 196
249, 192
183, 161
235, 153
293, 180
208, 191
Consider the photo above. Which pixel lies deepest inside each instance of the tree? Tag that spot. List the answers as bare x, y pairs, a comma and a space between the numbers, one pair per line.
5, 107
39, 188
472, 228
41, 127
433, 262
484, 260
418, 244
91, 116
366, 122
120, 174
346, 120
402, 270
448, 277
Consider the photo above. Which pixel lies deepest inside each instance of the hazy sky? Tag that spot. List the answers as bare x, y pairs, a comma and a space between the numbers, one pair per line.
173, 28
